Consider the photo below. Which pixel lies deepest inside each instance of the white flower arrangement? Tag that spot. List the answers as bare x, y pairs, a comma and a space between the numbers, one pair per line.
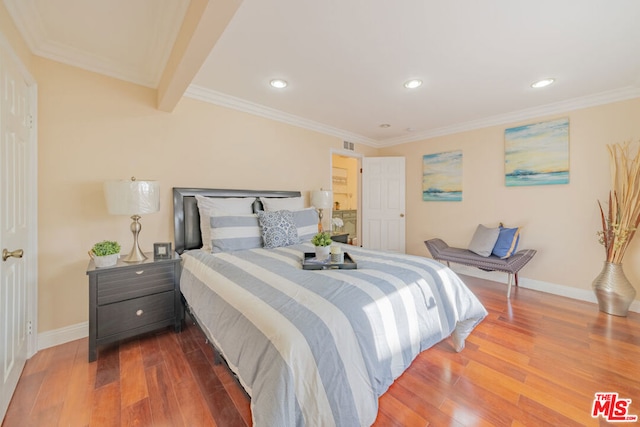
337, 222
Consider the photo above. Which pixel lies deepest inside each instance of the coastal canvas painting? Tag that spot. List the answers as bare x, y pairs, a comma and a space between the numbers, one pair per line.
442, 177
537, 154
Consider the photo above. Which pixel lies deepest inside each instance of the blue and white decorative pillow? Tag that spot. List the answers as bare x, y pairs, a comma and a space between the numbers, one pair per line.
278, 229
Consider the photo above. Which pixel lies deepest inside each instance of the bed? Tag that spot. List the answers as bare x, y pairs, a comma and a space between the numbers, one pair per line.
312, 348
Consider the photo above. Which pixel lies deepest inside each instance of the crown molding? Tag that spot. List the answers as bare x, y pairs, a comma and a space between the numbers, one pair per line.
29, 23
217, 98
207, 95
561, 107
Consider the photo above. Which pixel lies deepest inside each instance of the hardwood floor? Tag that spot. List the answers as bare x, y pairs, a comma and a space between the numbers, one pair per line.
536, 360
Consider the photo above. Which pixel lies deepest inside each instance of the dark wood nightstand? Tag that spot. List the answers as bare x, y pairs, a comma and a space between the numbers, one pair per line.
340, 237
131, 299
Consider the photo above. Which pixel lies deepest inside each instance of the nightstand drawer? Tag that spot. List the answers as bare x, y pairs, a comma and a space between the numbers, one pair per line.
127, 315
132, 282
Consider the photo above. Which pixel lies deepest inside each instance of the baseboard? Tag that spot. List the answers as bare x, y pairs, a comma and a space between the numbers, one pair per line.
80, 330
63, 335
537, 285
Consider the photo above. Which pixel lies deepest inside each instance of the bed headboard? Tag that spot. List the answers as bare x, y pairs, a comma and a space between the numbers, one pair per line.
186, 218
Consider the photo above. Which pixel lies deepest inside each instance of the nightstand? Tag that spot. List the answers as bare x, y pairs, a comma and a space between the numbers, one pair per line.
131, 299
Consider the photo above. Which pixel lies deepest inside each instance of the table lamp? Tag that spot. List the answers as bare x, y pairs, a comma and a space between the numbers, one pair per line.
321, 199
135, 198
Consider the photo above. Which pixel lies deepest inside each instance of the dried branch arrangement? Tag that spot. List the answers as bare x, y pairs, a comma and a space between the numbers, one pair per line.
620, 223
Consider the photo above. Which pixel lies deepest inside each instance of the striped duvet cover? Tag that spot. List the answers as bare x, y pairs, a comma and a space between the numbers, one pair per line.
317, 348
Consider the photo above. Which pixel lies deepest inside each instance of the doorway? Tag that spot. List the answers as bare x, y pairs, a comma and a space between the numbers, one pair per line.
346, 188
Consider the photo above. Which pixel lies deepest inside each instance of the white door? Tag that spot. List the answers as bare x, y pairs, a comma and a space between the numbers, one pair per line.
383, 203
17, 226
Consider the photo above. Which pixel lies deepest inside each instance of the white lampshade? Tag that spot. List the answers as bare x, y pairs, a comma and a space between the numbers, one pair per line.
132, 197
321, 199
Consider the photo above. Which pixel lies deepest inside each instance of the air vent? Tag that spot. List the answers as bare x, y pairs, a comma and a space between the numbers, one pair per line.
347, 145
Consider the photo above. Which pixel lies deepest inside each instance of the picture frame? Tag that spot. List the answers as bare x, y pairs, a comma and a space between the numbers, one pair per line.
162, 251
537, 153
442, 177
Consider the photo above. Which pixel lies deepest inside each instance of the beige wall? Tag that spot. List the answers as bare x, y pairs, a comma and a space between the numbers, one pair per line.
93, 128
560, 221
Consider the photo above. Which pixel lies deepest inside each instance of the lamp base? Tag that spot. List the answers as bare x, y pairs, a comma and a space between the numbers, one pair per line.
136, 255
320, 229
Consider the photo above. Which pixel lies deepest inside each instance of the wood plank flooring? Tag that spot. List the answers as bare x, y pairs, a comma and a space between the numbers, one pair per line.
536, 360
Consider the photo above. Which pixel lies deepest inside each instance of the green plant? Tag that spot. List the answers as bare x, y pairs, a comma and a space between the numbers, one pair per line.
106, 247
322, 239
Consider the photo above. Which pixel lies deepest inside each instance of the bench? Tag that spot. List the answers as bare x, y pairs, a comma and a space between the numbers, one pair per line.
440, 251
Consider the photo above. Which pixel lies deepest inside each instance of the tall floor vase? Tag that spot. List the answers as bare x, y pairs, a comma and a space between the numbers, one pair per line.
613, 290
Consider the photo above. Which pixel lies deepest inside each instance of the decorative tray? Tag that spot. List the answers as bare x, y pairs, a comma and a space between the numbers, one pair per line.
311, 263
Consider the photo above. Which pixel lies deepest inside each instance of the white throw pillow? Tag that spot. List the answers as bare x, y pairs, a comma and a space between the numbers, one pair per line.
271, 204
483, 240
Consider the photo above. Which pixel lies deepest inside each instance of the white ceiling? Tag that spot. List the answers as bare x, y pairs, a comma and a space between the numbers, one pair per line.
346, 60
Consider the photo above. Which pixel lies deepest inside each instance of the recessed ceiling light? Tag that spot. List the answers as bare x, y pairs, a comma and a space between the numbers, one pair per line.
412, 84
385, 125
278, 83
542, 83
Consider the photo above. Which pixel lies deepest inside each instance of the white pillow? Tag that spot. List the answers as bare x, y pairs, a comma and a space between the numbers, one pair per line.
282, 203
209, 206
483, 240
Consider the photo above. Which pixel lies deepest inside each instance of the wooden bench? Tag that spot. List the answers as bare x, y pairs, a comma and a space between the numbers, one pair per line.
440, 251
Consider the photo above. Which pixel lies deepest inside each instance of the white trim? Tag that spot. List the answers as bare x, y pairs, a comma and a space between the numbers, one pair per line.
536, 285
81, 330
63, 335
217, 98
561, 107
28, 20
212, 97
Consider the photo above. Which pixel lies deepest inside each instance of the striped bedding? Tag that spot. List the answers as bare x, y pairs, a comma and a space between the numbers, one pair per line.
317, 348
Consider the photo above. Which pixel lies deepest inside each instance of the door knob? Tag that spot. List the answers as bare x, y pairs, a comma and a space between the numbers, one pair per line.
401, 215
16, 254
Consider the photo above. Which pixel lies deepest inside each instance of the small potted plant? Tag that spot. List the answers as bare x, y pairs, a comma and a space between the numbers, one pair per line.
322, 241
105, 253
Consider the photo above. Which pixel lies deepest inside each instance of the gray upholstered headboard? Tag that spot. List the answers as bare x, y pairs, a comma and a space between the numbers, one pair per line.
186, 218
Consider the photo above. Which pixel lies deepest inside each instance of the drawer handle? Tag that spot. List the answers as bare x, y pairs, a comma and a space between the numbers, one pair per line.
139, 272
139, 313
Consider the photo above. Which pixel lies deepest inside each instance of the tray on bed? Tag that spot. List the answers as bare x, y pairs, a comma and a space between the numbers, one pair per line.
308, 264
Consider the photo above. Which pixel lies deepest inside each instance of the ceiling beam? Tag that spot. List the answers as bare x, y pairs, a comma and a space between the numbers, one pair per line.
204, 23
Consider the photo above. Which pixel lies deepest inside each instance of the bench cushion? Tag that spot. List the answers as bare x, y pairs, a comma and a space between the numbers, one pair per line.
440, 251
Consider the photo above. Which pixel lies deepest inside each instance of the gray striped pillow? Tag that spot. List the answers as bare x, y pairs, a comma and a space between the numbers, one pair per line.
235, 233
306, 221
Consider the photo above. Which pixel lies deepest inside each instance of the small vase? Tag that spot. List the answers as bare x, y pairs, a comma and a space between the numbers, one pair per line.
322, 252
613, 290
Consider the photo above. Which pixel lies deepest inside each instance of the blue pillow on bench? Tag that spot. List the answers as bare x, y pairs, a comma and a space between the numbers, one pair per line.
507, 242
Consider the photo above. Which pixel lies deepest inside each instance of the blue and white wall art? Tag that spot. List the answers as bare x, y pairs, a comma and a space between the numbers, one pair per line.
537, 154
442, 177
